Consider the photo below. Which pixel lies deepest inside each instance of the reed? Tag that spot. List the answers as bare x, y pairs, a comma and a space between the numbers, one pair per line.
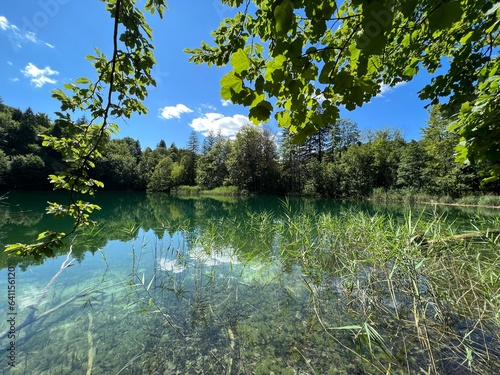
412, 286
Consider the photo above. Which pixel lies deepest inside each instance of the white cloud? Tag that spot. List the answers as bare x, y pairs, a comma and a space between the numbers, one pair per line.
49, 45
4, 24
39, 77
384, 88
228, 126
169, 112
320, 98
9, 62
226, 103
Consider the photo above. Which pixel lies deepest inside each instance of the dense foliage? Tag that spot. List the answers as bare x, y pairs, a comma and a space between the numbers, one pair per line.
293, 56
338, 161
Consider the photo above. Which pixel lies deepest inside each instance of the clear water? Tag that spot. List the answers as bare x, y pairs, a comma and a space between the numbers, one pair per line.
160, 290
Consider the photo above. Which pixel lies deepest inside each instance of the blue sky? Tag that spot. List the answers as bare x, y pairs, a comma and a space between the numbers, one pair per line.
43, 45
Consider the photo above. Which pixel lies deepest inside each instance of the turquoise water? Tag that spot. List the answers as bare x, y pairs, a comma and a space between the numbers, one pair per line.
174, 286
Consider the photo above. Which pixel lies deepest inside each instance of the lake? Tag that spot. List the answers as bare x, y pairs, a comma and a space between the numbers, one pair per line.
183, 285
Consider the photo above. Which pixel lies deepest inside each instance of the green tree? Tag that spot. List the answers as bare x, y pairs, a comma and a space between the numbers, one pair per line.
117, 167
193, 148
193, 143
252, 163
443, 175
356, 171
208, 142
307, 54
386, 147
179, 173
411, 166
4, 166
211, 168
161, 144
146, 166
162, 179
345, 133
292, 168
27, 172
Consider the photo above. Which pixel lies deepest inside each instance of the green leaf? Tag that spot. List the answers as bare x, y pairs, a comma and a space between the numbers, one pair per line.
310, 73
261, 112
408, 7
240, 61
283, 16
357, 327
284, 119
324, 76
410, 71
445, 16
372, 44
82, 81
230, 83
342, 81
274, 69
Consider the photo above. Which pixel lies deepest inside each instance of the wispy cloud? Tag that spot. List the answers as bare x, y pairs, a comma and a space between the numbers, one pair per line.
18, 37
226, 103
170, 112
208, 106
227, 125
39, 77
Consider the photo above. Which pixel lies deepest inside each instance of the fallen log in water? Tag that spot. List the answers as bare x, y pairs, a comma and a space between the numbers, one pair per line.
31, 318
487, 234
92, 349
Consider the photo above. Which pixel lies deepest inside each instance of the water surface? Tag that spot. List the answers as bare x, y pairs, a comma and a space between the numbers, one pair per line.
171, 285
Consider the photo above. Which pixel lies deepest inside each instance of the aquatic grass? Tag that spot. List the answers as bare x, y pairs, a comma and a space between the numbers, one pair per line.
387, 270
404, 275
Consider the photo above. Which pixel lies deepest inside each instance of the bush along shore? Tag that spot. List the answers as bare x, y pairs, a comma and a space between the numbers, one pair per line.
409, 196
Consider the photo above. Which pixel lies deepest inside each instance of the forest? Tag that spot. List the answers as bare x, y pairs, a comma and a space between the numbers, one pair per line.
339, 161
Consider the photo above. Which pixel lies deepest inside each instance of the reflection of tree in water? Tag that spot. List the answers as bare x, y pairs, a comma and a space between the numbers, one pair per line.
124, 213
15, 226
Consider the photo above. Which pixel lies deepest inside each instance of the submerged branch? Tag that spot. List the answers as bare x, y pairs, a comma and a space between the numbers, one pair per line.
465, 236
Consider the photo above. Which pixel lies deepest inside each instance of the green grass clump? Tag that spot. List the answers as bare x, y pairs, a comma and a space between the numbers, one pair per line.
489, 200
470, 200
222, 190
187, 190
